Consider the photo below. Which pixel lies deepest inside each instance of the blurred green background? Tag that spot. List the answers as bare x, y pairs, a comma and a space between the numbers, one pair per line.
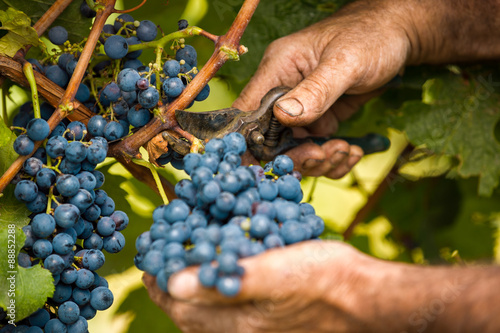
410, 203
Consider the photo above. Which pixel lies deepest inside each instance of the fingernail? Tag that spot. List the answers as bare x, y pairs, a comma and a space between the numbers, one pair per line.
182, 286
291, 106
311, 163
337, 157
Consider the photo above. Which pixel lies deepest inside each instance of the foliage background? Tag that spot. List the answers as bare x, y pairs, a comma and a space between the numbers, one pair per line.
439, 202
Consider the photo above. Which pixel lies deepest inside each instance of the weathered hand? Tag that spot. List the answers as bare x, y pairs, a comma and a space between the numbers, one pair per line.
355, 52
309, 287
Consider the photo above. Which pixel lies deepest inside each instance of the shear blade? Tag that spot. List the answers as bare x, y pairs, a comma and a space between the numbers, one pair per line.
210, 124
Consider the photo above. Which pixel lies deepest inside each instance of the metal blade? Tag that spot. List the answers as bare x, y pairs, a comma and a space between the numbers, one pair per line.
208, 125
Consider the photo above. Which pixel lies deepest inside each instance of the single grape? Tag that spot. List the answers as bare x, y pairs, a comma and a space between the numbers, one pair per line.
127, 79
58, 35
57, 75
148, 98
43, 225
68, 312
101, 298
23, 145
188, 54
115, 47
26, 190
37, 129
172, 87
171, 68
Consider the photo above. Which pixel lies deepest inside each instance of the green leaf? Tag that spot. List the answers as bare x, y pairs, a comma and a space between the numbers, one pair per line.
20, 33
71, 18
23, 289
457, 117
11, 210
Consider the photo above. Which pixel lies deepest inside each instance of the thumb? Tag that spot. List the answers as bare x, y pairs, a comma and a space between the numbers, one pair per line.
312, 96
276, 274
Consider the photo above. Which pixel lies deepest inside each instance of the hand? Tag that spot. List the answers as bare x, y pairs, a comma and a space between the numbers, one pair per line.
356, 51
313, 286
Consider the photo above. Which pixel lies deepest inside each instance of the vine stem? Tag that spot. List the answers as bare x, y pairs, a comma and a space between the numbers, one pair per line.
227, 47
67, 104
156, 178
30, 76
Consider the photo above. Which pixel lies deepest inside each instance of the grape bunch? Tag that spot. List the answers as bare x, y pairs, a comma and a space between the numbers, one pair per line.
119, 88
225, 212
73, 221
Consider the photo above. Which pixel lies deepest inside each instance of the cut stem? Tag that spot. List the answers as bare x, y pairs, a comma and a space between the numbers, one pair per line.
156, 177
30, 76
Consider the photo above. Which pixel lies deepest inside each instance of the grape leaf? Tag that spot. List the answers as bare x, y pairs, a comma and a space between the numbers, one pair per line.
457, 116
20, 33
11, 210
27, 287
71, 18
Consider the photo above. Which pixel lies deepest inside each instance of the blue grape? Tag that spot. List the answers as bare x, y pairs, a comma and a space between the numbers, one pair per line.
101, 298
55, 326
138, 118
68, 185
203, 95
54, 263
39, 318
81, 296
188, 54
56, 146
110, 93
69, 275
37, 129
26, 190
228, 285
63, 243
108, 207
123, 20
121, 220
127, 79
81, 325
114, 243
84, 279
23, 145
42, 248
66, 215
58, 35
93, 259
173, 87
57, 75
148, 98
171, 68
115, 47
113, 131
43, 225
68, 312
75, 131
228, 262
147, 31
207, 275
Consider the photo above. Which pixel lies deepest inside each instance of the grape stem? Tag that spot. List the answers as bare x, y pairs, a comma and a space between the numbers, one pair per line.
156, 178
131, 9
225, 48
30, 76
67, 104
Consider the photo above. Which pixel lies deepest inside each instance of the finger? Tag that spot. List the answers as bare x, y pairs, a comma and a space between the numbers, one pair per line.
289, 270
277, 67
346, 165
314, 95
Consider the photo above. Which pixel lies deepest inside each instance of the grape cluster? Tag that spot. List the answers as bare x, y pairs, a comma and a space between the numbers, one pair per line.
119, 87
73, 221
225, 212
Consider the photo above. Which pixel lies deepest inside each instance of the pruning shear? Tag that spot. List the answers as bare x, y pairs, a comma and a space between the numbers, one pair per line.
266, 137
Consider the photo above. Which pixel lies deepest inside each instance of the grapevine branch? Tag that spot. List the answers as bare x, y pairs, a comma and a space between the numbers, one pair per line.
226, 47
67, 104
